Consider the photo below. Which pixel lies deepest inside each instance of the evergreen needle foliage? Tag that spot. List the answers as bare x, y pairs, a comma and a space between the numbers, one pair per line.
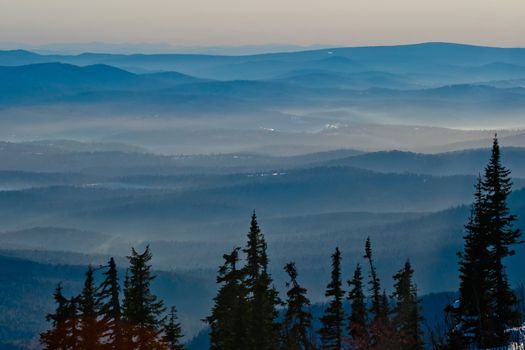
331, 331
487, 305
297, 319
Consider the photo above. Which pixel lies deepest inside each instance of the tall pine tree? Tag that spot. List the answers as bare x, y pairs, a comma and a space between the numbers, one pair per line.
331, 332
375, 285
407, 313
379, 329
487, 305
297, 319
263, 329
141, 309
473, 315
89, 307
357, 323
497, 186
110, 309
228, 319
56, 338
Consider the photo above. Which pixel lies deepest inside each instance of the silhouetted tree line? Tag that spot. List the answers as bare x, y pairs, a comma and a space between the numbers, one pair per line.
245, 314
97, 319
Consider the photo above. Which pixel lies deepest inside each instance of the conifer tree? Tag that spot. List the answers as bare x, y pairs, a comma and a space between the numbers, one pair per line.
263, 329
90, 330
56, 337
173, 331
228, 328
472, 315
331, 332
379, 330
497, 186
357, 323
110, 309
375, 285
407, 314
297, 319
141, 309
487, 304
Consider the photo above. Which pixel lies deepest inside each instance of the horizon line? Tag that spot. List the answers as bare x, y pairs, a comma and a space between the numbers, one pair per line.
307, 48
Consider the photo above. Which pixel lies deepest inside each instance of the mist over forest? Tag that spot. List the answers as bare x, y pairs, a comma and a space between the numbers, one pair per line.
103, 152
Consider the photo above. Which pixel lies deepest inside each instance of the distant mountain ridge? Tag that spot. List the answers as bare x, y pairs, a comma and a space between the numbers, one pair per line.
451, 163
430, 84
45, 80
402, 56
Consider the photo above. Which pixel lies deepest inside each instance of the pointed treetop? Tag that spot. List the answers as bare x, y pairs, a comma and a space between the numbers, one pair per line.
408, 265
257, 259
495, 146
254, 225
59, 288
173, 331
368, 249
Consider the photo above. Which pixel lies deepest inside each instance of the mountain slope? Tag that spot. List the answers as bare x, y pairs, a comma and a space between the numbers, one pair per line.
469, 162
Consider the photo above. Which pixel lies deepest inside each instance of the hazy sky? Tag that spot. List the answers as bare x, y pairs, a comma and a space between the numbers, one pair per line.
241, 22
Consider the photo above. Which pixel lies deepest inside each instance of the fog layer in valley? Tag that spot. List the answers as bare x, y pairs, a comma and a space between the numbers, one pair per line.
102, 152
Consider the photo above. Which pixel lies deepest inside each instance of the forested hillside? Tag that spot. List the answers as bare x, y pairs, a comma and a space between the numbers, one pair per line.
360, 306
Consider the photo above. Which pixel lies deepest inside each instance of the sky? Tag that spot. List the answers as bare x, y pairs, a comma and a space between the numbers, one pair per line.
259, 22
